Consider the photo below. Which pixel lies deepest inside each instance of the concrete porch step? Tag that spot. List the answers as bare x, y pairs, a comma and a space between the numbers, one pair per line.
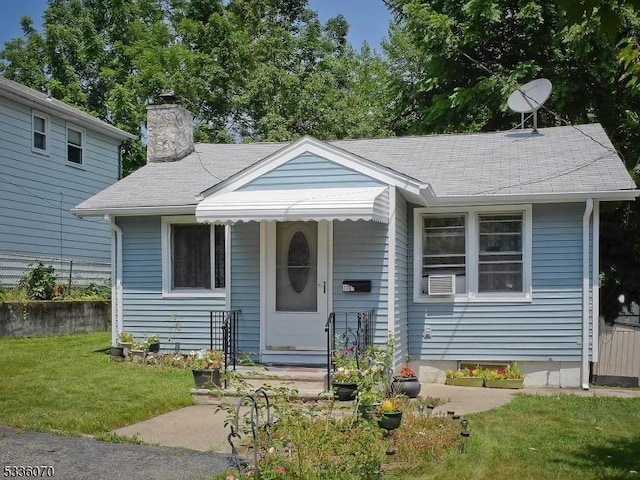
308, 382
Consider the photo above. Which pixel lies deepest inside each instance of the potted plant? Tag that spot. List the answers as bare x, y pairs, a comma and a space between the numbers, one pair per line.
205, 365
371, 390
389, 413
346, 376
138, 351
504, 377
466, 377
153, 343
406, 382
125, 340
345, 383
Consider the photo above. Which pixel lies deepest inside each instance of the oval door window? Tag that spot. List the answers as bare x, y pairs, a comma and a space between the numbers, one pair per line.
298, 262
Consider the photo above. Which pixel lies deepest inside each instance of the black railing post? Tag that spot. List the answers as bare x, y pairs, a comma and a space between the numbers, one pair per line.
223, 335
330, 328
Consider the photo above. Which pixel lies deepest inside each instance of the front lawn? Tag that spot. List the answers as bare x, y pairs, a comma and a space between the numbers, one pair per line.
69, 384
548, 437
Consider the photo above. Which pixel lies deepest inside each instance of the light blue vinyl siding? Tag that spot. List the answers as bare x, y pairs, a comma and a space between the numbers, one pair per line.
360, 252
402, 275
310, 171
549, 327
37, 191
146, 312
245, 283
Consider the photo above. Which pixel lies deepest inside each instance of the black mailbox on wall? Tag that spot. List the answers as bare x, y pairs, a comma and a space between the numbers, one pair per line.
356, 286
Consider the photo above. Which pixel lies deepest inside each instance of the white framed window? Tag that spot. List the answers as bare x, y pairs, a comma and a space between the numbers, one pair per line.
75, 145
40, 132
483, 253
194, 258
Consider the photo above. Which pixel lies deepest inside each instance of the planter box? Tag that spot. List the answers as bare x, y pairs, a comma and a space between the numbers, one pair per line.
504, 383
466, 381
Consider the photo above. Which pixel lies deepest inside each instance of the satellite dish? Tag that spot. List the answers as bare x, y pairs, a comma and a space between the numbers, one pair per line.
529, 98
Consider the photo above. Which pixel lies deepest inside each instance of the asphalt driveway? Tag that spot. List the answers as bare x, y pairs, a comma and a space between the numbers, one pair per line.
82, 458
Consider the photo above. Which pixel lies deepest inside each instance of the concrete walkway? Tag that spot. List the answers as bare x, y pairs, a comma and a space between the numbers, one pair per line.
199, 427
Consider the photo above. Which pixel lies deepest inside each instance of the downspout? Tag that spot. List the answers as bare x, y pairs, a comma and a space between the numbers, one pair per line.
585, 293
595, 282
117, 311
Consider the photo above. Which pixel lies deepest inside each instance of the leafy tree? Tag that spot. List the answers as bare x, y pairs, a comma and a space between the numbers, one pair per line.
247, 69
454, 62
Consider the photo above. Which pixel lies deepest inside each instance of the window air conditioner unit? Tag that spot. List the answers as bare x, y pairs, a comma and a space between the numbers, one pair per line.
442, 284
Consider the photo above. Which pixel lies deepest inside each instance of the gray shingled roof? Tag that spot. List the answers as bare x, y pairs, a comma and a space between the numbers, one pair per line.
557, 160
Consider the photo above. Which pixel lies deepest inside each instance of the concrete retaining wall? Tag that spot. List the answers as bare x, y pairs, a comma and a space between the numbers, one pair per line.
44, 318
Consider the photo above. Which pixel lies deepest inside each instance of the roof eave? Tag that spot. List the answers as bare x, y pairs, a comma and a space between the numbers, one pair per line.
502, 199
135, 211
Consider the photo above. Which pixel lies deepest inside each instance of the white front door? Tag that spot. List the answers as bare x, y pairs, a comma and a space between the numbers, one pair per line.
296, 285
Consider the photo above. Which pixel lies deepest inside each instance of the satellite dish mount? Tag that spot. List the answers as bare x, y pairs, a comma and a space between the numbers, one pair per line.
529, 98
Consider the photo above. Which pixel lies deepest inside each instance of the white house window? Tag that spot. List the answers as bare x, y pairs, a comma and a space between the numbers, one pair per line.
486, 250
194, 258
444, 248
40, 126
500, 253
75, 142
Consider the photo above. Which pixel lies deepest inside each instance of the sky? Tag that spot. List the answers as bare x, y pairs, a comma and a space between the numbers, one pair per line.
368, 19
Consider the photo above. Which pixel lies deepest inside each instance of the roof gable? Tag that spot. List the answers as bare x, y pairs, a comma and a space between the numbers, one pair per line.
307, 147
309, 170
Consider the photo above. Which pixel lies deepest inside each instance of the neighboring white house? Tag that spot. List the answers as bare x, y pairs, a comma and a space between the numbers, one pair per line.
52, 156
468, 248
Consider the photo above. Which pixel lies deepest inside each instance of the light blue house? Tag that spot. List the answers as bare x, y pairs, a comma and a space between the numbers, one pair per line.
474, 248
52, 156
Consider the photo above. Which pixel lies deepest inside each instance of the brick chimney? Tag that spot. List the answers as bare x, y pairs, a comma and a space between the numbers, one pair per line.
169, 131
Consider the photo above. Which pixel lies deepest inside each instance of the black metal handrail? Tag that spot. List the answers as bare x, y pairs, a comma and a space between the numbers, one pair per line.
223, 335
355, 329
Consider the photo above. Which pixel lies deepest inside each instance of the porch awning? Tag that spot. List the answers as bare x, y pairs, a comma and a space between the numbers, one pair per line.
361, 203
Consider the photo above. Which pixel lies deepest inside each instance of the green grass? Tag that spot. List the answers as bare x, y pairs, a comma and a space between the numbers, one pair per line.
69, 384
548, 437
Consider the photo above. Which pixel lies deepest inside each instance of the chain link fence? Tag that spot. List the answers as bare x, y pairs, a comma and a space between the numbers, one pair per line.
69, 272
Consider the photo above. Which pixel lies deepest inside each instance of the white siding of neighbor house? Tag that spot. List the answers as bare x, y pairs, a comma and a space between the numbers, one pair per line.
548, 328
38, 190
146, 312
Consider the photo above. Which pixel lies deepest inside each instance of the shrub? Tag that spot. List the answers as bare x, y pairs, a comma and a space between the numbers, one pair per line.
327, 448
39, 283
